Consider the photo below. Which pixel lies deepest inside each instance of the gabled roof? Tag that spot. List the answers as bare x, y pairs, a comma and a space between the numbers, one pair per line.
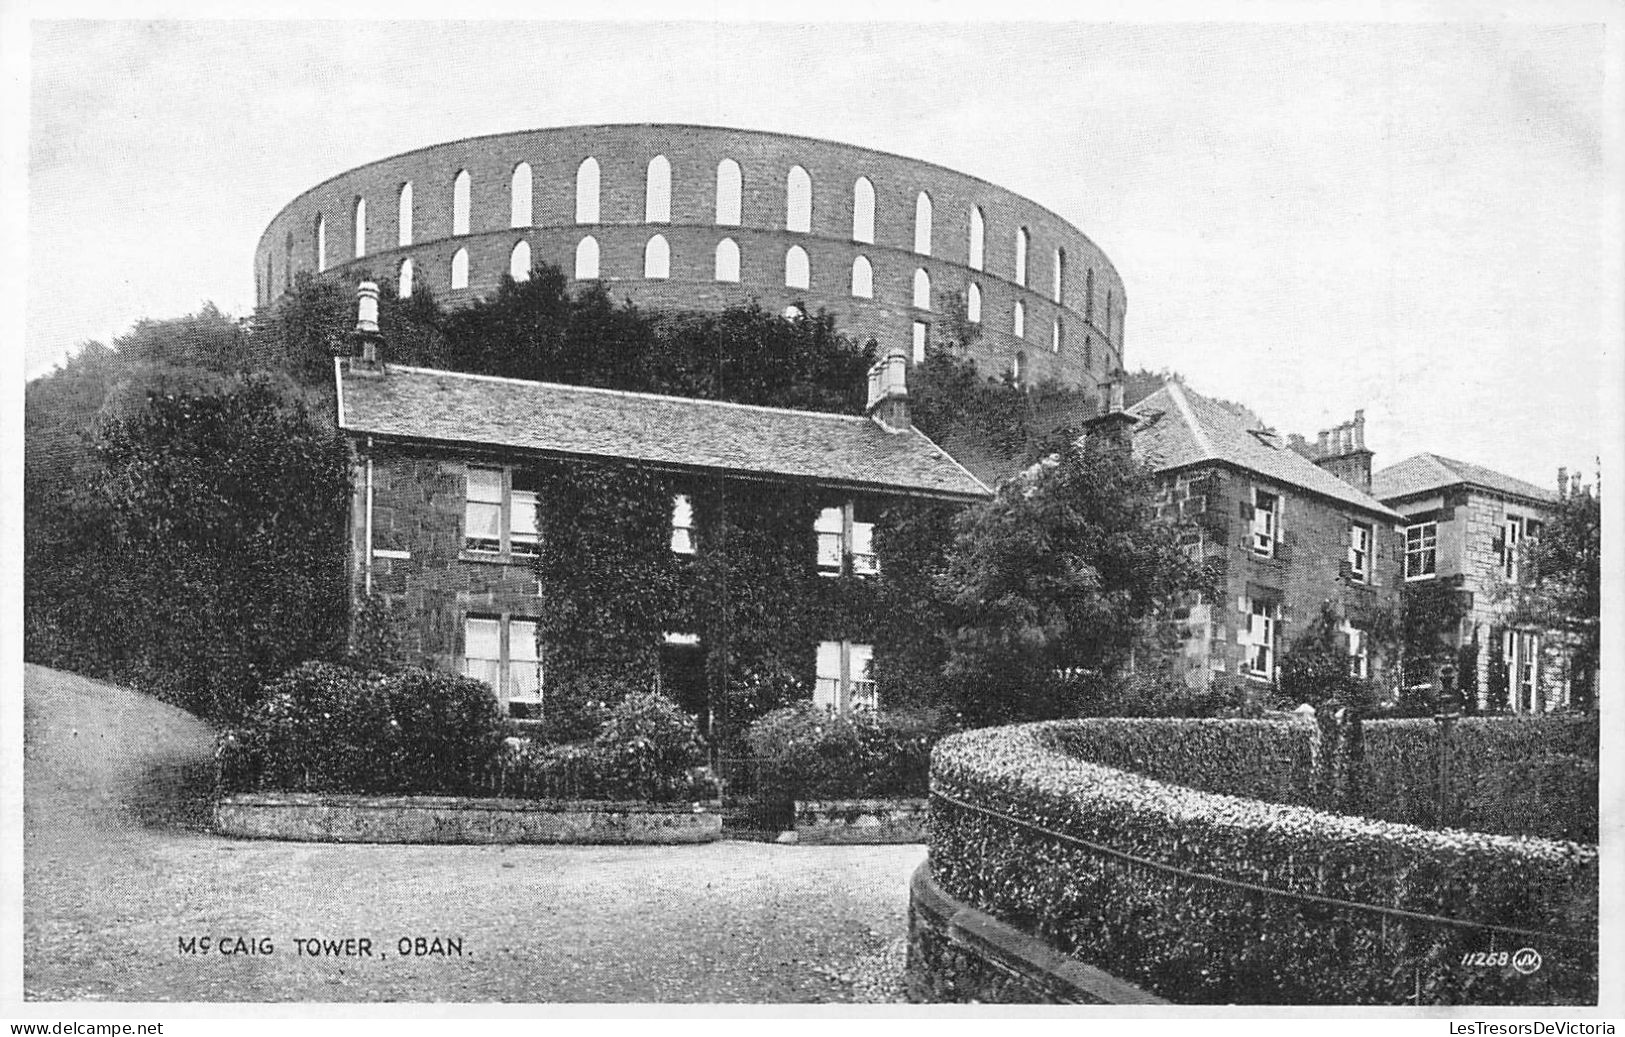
448, 407
1428, 473
1179, 428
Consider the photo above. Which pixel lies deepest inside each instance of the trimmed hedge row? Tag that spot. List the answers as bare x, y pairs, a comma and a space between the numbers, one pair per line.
1169, 923
1509, 775
1258, 759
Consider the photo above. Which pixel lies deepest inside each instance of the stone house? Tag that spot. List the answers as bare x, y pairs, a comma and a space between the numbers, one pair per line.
1464, 525
451, 475
1292, 525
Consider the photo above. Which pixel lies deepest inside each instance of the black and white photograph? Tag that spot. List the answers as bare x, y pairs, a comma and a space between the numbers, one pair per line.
914, 509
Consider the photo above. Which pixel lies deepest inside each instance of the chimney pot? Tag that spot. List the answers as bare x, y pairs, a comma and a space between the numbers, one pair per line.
366, 307
1323, 444
888, 392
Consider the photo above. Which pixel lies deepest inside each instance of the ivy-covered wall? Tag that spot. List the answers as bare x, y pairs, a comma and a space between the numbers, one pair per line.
606, 586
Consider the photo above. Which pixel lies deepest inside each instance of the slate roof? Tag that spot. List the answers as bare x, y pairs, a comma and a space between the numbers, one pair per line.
668, 431
1179, 428
1426, 473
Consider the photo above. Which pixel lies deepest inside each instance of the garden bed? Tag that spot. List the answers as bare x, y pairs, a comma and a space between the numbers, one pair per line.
316, 817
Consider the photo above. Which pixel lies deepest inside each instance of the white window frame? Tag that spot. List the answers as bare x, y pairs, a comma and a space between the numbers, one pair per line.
517, 648
1359, 650
1511, 537
682, 524
1360, 541
845, 545
1423, 546
518, 516
1520, 651
1266, 527
851, 686
1259, 637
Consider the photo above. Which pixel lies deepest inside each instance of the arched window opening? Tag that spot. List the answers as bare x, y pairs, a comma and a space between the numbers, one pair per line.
321, 243
1060, 275
403, 279
287, 262
657, 191
922, 334
1021, 257
978, 232
973, 303
459, 269
520, 192
1089, 295
863, 279
1018, 322
403, 216
460, 202
728, 260
1055, 335
360, 224
1108, 328
587, 194
922, 290
863, 211
730, 191
519, 262
798, 201
657, 258
587, 259
922, 224
1018, 368
797, 271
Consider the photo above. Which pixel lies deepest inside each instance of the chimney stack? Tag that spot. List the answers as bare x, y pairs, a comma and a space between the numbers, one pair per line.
1342, 451
888, 393
366, 333
1112, 430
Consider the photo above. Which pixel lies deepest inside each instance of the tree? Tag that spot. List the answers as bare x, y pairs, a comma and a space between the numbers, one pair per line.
1057, 584
1559, 585
227, 535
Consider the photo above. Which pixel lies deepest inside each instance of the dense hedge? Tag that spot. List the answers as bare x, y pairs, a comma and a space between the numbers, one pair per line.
1190, 938
325, 727
331, 728
1259, 759
806, 752
1519, 775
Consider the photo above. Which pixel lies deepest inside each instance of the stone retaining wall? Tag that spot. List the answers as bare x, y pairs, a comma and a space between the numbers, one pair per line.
861, 821
958, 954
448, 819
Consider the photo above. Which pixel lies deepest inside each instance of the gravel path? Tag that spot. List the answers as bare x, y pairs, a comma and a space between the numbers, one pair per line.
119, 869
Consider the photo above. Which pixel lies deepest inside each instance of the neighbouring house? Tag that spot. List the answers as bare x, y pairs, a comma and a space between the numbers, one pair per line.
457, 478
1291, 526
1464, 525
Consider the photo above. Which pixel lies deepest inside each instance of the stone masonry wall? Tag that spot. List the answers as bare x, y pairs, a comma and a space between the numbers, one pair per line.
1091, 344
1305, 571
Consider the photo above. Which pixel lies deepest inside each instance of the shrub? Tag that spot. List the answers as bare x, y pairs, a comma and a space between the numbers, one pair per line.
1163, 889
806, 752
1401, 768
329, 728
1550, 797
648, 746
1271, 760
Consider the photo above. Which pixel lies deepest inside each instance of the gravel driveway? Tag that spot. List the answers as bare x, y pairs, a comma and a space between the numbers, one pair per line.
119, 871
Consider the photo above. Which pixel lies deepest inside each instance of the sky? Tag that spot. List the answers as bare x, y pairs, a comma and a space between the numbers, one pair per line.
1418, 218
